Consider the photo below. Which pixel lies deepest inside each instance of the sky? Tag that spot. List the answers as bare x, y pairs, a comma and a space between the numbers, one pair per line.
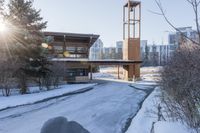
104, 17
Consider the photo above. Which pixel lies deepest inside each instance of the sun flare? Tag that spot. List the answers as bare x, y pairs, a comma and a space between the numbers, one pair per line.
3, 27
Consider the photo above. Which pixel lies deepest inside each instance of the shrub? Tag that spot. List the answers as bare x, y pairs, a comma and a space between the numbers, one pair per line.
181, 85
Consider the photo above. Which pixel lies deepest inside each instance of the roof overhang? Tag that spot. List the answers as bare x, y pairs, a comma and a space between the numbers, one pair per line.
89, 39
96, 62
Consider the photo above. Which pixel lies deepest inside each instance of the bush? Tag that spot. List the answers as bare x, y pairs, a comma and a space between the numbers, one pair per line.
7, 68
181, 85
58, 73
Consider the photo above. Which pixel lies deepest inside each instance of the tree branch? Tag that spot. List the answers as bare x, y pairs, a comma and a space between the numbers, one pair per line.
158, 3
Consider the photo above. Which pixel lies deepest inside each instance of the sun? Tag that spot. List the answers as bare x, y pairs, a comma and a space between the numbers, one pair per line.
3, 27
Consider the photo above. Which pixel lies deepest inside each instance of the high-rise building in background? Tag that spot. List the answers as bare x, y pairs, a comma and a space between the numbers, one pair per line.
109, 53
113, 52
156, 54
119, 50
96, 51
177, 37
143, 45
151, 54
106, 53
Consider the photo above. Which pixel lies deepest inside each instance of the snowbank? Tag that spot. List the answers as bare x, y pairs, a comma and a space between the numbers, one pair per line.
151, 70
105, 109
12, 101
103, 75
170, 127
143, 121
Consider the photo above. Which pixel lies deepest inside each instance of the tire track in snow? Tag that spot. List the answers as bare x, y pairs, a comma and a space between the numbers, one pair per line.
148, 92
52, 100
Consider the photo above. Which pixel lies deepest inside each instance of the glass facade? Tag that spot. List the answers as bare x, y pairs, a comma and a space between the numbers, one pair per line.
61, 48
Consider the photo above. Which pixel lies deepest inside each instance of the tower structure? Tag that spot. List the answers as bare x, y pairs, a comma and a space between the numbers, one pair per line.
131, 36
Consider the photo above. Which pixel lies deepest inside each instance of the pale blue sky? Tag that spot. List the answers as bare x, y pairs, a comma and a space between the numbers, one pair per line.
104, 17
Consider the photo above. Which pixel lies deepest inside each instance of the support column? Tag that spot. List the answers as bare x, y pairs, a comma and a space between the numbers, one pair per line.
90, 71
64, 45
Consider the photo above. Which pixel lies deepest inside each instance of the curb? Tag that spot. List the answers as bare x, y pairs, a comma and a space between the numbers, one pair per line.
83, 90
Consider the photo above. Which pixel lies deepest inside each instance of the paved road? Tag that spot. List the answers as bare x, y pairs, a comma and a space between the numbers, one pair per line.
105, 109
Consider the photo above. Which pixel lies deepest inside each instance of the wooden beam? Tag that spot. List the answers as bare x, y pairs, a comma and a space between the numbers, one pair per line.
140, 20
124, 22
129, 15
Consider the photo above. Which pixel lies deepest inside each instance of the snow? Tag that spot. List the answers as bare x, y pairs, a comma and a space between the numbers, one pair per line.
148, 74
103, 76
142, 122
151, 73
104, 109
152, 70
17, 100
170, 127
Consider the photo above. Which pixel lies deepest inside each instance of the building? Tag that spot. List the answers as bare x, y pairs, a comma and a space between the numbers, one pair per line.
176, 37
106, 53
109, 53
119, 50
70, 46
143, 49
113, 52
96, 51
73, 51
156, 54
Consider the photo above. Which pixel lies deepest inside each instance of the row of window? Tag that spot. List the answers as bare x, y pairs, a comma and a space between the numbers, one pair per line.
76, 72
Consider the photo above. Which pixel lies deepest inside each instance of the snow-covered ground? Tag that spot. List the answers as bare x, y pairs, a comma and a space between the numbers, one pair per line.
147, 73
112, 106
171, 127
151, 73
107, 108
143, 121
17, 100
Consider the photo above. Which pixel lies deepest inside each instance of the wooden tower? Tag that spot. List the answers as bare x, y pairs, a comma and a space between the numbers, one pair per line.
131, 36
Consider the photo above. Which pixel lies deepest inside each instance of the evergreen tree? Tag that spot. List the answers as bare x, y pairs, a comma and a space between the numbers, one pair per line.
146, 56
25, 39
26, 21
1, 7
154, 55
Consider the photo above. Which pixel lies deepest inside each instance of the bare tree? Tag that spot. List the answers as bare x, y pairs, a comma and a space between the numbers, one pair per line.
7, 80
180, 86
195, 6
58, 72
180, 81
